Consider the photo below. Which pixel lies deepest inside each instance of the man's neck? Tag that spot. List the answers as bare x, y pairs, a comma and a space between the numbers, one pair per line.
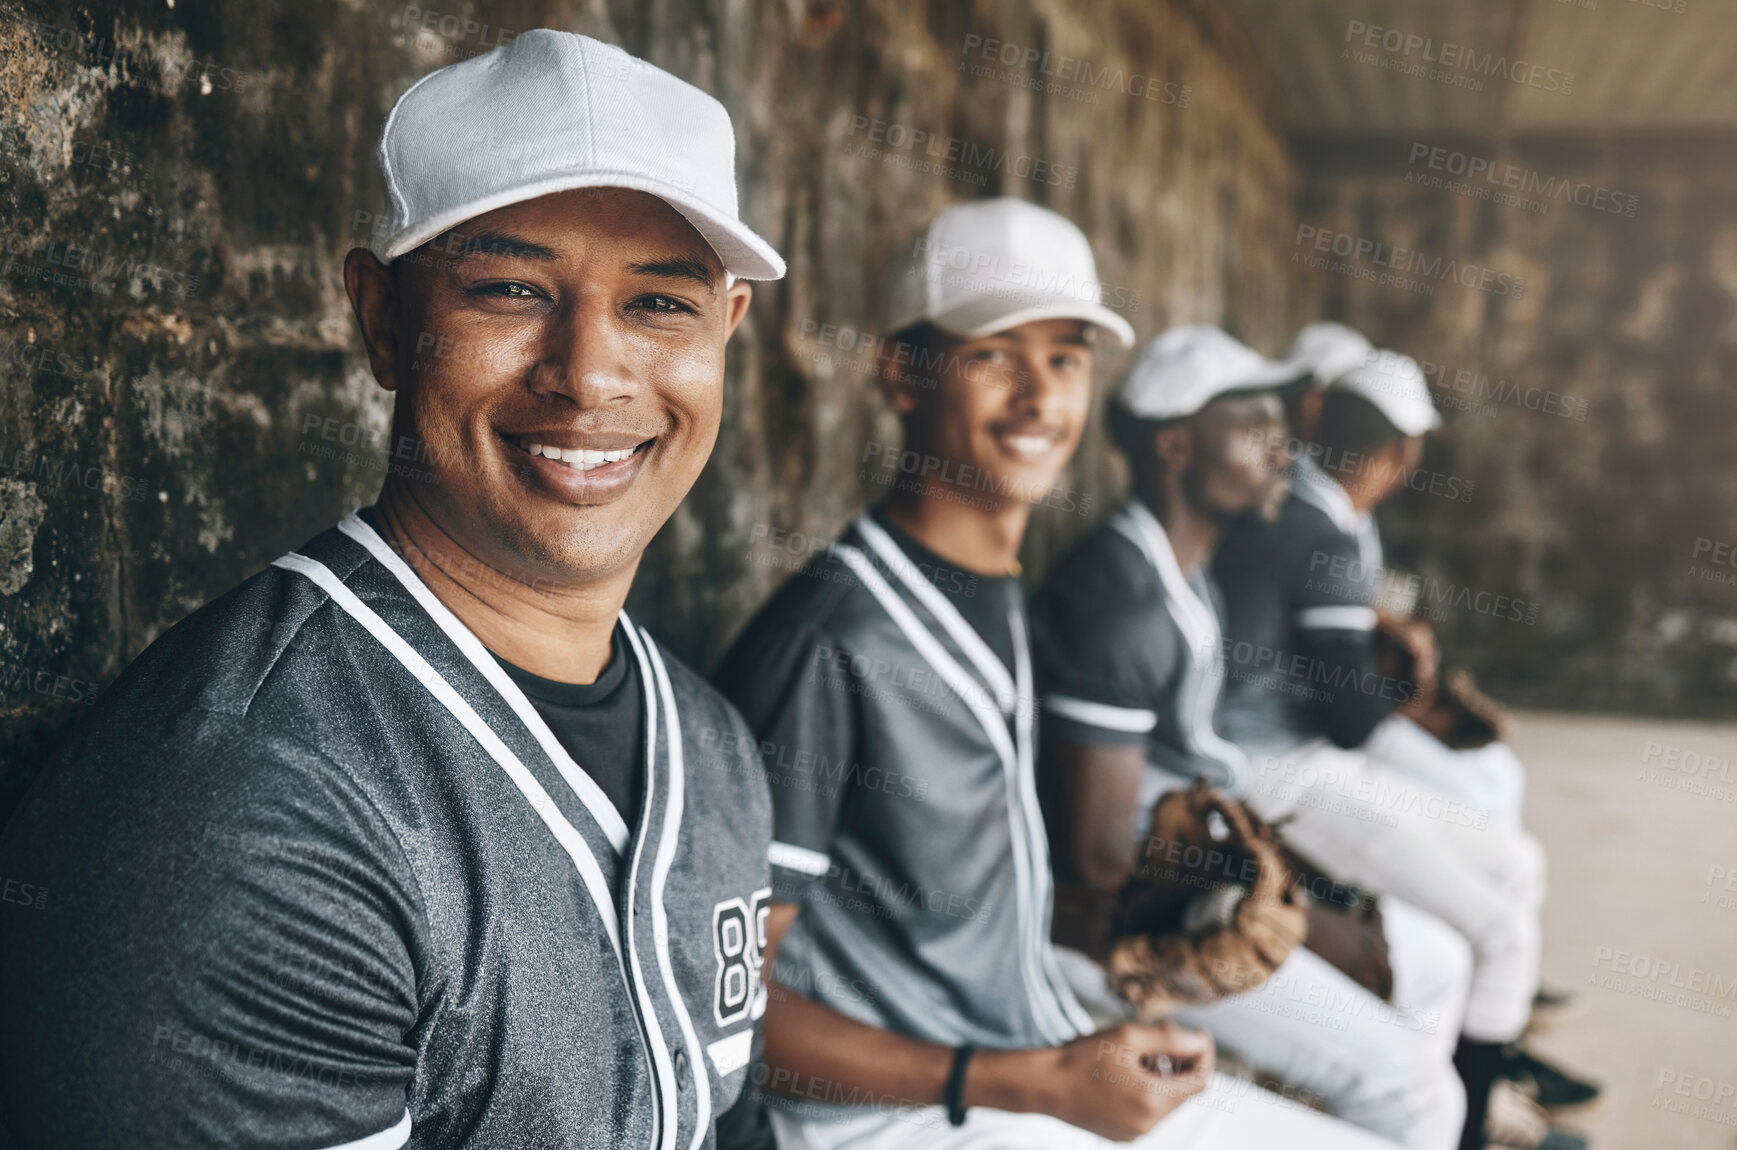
1192, 535
562, 633
981, 540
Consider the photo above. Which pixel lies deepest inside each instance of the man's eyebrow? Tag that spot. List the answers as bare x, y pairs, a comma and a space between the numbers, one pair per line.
503, 244
678, 268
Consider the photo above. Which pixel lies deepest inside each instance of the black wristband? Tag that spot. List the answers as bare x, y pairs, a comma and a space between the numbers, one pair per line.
955, 1095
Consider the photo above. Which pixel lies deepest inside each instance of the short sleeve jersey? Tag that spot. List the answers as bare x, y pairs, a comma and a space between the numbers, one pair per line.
1299, 596
316, 874
906, 826
1127, 651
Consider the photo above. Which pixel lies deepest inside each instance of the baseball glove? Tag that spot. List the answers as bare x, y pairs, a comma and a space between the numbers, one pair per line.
1212, 909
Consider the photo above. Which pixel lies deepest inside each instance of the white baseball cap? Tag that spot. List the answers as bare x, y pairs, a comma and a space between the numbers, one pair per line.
1328, 350
549, 112
1186, 368
988, 265
1397, 387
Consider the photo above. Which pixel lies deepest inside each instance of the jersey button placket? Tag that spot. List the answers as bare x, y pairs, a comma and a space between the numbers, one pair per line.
681, 1069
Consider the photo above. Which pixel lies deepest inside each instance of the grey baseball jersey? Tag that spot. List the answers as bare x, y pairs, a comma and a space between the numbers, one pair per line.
906, 826
315, 873
1128, 650
1299, 621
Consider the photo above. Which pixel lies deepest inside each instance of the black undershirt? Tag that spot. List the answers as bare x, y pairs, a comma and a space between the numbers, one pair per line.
984, 600
598, 723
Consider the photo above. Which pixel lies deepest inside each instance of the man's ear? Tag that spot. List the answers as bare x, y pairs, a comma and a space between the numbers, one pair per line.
373, 292
1173, 444
736, 300
895, 384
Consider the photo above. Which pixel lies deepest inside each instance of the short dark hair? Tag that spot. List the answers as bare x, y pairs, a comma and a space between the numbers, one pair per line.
916, 349
1132, 434
1350, 423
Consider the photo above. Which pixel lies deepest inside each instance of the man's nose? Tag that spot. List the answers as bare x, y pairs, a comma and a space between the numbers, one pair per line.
585, 357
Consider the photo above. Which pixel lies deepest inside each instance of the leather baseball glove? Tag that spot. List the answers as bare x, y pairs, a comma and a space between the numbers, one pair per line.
1213, 907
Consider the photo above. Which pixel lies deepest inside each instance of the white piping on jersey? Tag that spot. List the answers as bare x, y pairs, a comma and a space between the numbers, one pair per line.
1205, 675
1130, 719
666, 849
390, 1138
799, 859
1321, 490
1336, 618
651, 1036
603, 811
668, 1116
1045, 998
963, 633
1037, 835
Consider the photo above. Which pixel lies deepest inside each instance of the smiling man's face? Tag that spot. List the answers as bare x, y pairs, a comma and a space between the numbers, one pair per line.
560, 364
1010, 406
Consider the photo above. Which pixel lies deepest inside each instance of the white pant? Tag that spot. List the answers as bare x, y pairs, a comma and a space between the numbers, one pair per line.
1228, 1115
1385, 1068
1489, 778
1385, 832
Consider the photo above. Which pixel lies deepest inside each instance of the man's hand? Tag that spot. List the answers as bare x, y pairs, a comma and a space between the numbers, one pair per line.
1417, 639
1118, 1083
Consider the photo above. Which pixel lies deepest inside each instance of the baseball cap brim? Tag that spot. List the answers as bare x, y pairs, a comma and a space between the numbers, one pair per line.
989, 314
742, 253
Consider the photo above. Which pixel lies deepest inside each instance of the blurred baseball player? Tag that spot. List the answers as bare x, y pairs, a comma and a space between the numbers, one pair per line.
1401, 814
917, 1001
414, 839
1128, 652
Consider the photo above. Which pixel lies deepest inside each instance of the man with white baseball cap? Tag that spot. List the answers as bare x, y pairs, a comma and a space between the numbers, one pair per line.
991, 265
414, 838
1372, 797
1129, 657
1321, 352
916, 1000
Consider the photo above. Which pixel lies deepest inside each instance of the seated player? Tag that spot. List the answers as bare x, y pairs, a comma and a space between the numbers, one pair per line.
1303, 606
915, 999
1127, 647
414, 839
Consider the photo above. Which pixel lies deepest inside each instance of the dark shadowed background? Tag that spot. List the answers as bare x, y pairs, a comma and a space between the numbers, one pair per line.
1538, 199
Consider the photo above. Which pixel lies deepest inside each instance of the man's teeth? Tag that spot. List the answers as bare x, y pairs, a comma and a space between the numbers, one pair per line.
579, 457
1030, 444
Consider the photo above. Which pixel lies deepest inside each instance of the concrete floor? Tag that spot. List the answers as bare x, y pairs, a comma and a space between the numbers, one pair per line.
1640, 821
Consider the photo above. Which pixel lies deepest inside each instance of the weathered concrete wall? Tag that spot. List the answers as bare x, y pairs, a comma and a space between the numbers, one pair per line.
178, 186
1587, 386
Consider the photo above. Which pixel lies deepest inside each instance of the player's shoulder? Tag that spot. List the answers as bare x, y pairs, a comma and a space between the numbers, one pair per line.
219, 658
827, 598
1104, 572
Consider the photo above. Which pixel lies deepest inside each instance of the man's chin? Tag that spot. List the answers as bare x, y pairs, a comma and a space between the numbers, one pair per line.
572, 547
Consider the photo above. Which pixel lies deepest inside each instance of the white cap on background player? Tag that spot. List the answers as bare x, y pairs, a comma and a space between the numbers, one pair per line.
1186, 368
988, 265
553, 111
1397, 387
1328, 350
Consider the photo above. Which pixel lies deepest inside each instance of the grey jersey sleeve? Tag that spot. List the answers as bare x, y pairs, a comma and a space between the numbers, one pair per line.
222, 951
791, 683
1104, 652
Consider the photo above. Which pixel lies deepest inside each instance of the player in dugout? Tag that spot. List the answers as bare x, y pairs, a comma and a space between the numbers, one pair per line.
1309, 599
915, 996
1129, 658
414, 839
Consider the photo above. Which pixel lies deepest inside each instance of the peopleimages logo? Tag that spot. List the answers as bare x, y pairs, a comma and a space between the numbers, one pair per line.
1069, 70
1489, 180
954, 153
1409, 261
1457, 62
